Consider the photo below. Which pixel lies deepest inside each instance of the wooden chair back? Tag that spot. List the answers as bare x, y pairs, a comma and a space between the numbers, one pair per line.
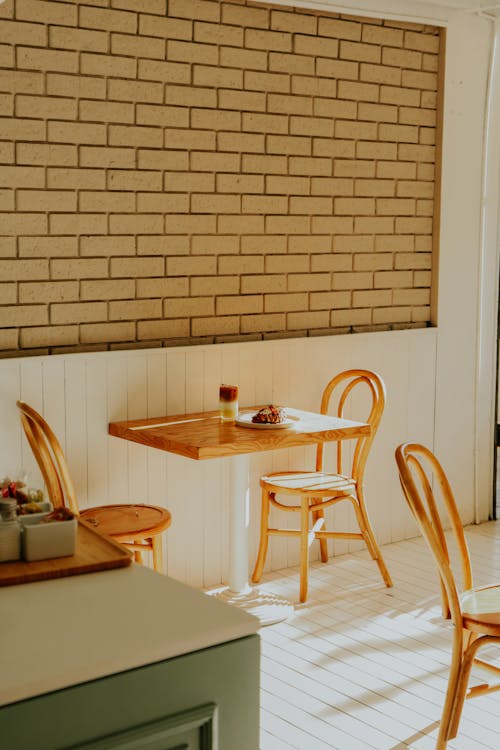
424, 482
342, 388
50, 458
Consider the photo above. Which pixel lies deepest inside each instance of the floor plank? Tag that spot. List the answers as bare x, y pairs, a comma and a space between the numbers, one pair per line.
360, 666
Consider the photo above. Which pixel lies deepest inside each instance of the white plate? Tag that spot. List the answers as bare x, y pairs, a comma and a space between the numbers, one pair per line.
245, 420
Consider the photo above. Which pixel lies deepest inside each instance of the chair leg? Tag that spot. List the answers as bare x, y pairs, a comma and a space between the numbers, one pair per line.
138, 556
157, 545
304, 547
323, 543
369, 537
451, 693
264, 537
467, 661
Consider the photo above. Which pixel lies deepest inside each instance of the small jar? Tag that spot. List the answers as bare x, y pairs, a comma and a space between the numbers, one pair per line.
10, 531
228, 402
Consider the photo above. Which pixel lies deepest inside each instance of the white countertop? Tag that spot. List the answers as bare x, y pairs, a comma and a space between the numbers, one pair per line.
65, 631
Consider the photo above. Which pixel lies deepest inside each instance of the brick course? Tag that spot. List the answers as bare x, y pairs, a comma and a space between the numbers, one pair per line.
212, 170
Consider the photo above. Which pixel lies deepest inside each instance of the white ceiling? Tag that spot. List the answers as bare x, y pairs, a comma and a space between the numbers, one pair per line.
469, 5
436, 11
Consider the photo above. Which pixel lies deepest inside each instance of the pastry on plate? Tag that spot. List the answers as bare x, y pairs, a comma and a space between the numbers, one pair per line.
269, 415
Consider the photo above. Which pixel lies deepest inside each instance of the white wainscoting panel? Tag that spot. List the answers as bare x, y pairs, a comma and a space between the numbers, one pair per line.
80, 393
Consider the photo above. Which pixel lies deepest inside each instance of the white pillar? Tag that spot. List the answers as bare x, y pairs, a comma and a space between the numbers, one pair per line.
239, 467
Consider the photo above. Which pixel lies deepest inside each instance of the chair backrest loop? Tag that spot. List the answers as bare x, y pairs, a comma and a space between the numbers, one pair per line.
342, 388
424, 482
49, 457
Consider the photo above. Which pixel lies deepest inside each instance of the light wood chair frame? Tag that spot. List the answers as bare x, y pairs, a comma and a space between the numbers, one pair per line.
350, 486
421, 476
60, 489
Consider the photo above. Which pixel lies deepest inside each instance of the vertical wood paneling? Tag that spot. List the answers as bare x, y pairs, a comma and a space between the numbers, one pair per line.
176, 382
198, 497
258, 467
99, 474
421, 409
345, 356
32, 393
246, 383
257, 358
79, 395
307, 377
156, 389
117, 450
279, 393
156, 374
230, 364
212, 378
54, 395
278, 546
230, 371
281, 356
387, 511
182, 506
179, 539
11, 440
214, 511
75, 414
262, 371
213, 514
195, 371
137, 407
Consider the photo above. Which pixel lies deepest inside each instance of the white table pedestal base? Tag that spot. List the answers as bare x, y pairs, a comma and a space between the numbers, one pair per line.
268, 608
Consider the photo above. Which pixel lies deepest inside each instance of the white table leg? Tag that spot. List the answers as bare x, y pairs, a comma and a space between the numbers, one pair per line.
268, 608
239, 513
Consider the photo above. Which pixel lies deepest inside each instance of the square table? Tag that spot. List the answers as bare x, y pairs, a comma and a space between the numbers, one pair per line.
204, 435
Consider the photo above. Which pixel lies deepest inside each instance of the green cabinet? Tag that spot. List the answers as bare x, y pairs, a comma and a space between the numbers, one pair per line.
194, 729
205, 700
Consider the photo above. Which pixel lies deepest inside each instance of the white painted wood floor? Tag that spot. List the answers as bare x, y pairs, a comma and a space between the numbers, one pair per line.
360, 666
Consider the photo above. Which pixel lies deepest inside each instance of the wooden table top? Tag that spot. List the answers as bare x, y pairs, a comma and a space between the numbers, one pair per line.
204, 435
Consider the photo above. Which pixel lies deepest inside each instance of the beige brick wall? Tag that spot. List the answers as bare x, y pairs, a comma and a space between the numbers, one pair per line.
221, 171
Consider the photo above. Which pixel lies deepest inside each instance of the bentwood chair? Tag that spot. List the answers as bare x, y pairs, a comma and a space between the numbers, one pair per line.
314, 491
137, 526
475, 612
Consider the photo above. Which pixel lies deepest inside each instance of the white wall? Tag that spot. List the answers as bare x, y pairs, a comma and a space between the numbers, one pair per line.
80, 393
468, 262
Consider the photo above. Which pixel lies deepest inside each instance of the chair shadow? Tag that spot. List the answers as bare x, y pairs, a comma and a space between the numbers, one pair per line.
407, 742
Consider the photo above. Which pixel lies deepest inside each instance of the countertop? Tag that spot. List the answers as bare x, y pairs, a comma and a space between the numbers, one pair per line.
71, 630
